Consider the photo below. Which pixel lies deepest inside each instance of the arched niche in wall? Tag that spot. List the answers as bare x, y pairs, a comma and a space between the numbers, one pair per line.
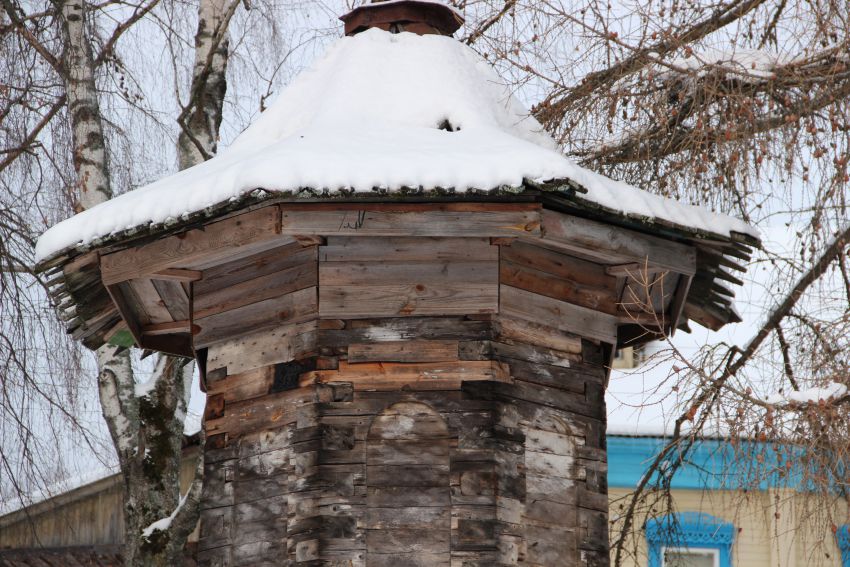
408, 517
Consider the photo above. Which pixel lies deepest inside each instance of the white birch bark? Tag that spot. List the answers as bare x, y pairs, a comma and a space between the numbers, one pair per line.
201, 117
147, 430
90, 158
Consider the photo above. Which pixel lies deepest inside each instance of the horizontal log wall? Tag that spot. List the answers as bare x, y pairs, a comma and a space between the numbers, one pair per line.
410, 441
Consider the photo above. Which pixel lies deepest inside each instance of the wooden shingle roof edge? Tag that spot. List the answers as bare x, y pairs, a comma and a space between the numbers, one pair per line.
74, 280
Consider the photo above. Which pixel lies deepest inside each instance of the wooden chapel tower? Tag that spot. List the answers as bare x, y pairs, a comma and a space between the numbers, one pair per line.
411, 379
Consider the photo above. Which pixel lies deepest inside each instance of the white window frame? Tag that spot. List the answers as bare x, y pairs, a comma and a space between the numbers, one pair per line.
713, 552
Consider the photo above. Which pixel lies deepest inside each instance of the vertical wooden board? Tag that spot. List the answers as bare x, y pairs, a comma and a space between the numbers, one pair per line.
575, 319
174, 297
150, 301
293, 307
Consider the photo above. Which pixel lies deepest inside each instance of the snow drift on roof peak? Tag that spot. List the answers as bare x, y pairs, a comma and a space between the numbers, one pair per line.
400, 81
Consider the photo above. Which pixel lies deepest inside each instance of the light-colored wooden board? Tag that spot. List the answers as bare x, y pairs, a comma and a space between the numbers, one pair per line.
295, 307
403, 249
218, 240
615, 245
574, 319
417, 376
403, 351
243, 386
261, 348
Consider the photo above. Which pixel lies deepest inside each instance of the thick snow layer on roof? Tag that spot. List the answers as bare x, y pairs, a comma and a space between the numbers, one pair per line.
368, 116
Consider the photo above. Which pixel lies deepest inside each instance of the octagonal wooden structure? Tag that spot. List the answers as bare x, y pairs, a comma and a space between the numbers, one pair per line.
416, 382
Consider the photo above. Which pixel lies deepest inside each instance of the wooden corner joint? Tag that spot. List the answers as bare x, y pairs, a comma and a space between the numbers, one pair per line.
307, 240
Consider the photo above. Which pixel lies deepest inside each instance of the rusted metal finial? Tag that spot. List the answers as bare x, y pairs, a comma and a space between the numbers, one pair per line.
416, 16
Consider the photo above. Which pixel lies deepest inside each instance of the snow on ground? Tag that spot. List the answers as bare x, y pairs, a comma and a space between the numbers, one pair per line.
367, 116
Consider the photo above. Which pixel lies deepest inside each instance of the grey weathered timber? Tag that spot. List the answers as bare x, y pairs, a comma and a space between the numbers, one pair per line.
464, 452
402, 383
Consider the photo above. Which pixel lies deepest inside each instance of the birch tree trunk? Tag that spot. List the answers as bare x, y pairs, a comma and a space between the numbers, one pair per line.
201, 117
146, 423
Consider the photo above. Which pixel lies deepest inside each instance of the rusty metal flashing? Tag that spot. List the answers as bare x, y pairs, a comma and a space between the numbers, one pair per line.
405, 15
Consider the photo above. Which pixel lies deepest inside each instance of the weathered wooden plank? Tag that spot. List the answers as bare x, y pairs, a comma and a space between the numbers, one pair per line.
256, 414
261, 348
559, 264
425, 273
394, 376
406, 300
258, 289
150, 301
575, 319
124, 300
404, 249
340, 333
167, 328
431, 219
615, 245
179, 275
174, 297
238, 234
569, 290
243, 386
519, 330
484, 350
293, 307
403, 540
403, 351
267, 262
677, 304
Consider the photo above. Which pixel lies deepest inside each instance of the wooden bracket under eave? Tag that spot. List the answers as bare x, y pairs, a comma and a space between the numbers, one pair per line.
178, 344
677, 305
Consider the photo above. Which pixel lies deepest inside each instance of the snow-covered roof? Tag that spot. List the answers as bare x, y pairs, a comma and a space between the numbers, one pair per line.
367, 118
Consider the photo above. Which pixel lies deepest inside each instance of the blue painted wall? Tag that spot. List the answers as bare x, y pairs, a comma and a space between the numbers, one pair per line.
713, 464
